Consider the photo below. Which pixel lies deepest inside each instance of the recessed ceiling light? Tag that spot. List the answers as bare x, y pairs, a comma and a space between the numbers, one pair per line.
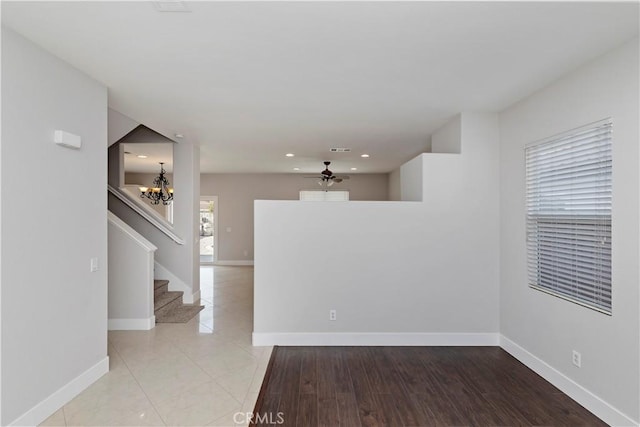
141, 156
364, 155
289, 154
354, 169
179, 135
296, 169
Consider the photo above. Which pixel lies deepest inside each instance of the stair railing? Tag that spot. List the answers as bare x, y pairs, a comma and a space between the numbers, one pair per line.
146, 215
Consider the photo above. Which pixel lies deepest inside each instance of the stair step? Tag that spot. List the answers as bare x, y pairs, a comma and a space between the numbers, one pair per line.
160, 287
180, 314
167, 300
160, 283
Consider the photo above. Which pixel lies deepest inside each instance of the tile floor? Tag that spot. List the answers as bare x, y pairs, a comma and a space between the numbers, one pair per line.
199, 373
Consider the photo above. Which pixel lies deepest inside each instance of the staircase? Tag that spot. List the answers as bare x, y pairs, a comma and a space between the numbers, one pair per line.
168, 306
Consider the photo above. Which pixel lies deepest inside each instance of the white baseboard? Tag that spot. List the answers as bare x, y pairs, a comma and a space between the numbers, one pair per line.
175, 284
132, 324
593, 403
234, 262
58, 399
376, 338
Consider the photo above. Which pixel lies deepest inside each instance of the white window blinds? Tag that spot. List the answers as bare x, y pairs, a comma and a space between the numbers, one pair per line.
568, 179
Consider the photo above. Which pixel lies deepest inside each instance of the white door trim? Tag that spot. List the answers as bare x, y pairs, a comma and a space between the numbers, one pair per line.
215, 226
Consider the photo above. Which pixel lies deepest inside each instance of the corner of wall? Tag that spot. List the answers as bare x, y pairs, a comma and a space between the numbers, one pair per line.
584, 397
118, 125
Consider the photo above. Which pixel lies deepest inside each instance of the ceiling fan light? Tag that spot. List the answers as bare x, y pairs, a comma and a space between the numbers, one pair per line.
330, 183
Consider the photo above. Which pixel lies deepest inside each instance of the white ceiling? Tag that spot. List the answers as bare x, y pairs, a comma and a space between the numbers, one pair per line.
155, 153
251, 81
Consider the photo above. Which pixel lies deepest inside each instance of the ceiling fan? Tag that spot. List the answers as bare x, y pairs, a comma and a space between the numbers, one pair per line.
327, 178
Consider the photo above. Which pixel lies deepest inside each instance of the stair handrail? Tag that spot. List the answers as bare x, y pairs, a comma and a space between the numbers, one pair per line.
146, 215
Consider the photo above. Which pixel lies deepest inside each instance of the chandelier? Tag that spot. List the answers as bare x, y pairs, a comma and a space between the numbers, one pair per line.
160, 192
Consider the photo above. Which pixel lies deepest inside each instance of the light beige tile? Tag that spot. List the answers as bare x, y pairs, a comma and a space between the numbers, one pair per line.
198, 406
105, 401
57, 419
141, 358
256, 382
143, 416
229, 420
250, 401
170, 379
213, 346
197, 373
227, 362
237, 383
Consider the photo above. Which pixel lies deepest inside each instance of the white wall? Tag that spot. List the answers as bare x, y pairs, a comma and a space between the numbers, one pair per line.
186, 213
394, 185
448, 139
429, 270
548, 327
54, 310
119, 125
237, 192
130, 278
411, 180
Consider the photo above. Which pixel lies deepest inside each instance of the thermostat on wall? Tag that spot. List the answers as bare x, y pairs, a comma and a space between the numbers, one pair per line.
67, 139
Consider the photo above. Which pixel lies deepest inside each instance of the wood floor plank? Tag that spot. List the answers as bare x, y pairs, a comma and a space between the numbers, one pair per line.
277, 375
348, 409
307, 410
309, 373
408, 361
509, 413
440, 409
412, 386
328, 415
326, 375
409, 413
341, 374
268, 410
382, 398
290, 392
375, 372
368, 410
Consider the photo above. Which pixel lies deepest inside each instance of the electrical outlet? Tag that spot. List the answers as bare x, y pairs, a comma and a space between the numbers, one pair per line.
576, 358
333, 315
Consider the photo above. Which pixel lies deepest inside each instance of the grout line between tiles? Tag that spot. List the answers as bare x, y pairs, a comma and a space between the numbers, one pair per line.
140, 385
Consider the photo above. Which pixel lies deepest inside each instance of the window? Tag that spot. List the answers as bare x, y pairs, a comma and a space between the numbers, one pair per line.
324, 196
568, 179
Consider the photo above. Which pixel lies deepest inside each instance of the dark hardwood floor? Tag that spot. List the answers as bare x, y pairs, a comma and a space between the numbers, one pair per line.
409, 386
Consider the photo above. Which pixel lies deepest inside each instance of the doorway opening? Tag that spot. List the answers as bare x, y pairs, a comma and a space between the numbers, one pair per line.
208, 229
